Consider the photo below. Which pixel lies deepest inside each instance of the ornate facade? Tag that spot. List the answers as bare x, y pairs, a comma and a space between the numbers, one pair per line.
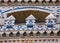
29, 21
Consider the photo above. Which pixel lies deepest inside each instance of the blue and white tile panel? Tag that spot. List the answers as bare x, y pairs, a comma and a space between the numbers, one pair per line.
23, 27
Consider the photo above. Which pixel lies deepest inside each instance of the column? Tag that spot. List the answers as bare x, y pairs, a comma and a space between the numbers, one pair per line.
58, 40
40, 41
37, 41
30, 41
3, 41
20, 41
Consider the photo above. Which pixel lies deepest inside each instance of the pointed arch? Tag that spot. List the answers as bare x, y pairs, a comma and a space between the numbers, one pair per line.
38, 33
24, 34
15, 1
50, 1
51, 33
45, 33
57, 1
58, 33
4, 34
18, 34
44, 1
36, 1
31, 33
29, 1
9, 1
2, 1
11, 34
22, 1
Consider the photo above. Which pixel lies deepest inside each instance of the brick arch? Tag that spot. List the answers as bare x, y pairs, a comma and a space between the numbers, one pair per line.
15, 9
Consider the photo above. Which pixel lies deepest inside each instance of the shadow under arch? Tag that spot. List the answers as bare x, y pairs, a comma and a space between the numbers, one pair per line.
31, 33
24, 34
38, 33
58, 33
44, 33
4, 34
11, 34
18, 34
51, 33
22, 15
